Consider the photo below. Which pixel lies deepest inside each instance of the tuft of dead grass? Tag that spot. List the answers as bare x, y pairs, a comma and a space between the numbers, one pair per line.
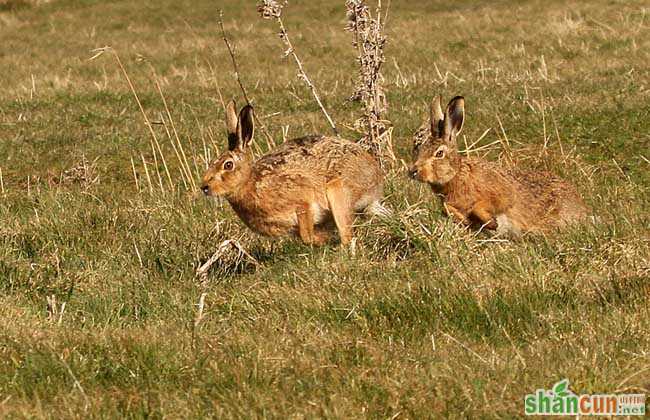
84, 174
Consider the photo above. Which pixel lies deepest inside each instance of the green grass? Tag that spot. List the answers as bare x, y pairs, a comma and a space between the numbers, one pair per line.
424, 320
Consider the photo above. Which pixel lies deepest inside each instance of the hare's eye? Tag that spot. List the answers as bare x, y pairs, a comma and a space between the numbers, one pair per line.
228, 165
440, 153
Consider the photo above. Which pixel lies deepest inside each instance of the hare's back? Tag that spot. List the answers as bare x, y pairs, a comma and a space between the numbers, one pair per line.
542, 184
552, 195
320, 157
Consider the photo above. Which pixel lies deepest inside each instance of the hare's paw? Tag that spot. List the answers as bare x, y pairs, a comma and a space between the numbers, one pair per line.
321, 237
456, 214
483, 213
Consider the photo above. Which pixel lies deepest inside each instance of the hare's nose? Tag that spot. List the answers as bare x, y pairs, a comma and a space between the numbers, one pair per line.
205, 189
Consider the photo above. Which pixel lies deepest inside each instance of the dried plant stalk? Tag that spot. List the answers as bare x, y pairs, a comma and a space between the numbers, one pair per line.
199, 312
369, 40
155, 145
135, 175
271, 9
177, 145
229, 244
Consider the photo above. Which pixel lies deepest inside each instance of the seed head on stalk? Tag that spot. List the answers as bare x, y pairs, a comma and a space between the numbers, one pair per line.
269, 9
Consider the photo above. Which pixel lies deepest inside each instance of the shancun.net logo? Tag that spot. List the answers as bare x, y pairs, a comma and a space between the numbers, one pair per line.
562, 401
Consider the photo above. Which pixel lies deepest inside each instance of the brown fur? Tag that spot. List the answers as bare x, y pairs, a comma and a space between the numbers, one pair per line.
482, 194
302, 188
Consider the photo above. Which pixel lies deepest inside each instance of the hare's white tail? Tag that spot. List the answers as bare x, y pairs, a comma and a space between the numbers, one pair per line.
377, 209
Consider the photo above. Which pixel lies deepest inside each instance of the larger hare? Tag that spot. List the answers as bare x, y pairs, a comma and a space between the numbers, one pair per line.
301, 188
480, 193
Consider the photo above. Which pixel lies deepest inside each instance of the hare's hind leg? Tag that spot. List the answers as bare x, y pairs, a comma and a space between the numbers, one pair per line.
338, 198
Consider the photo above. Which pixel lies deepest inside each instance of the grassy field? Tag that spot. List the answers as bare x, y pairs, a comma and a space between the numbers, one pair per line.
425, 319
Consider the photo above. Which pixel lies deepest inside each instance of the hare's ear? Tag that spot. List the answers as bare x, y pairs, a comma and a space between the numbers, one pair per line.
246, 127
231, 125
437, 117
455, 116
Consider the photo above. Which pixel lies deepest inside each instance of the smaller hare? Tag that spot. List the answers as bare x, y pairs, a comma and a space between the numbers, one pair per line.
299, 188
479, 193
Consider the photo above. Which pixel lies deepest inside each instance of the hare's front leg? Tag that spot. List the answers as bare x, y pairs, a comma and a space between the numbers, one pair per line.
455, 214
339, 202
306, 226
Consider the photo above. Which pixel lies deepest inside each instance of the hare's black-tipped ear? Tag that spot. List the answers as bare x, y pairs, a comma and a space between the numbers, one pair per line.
455, 116
246, 127
437, 117
231, 125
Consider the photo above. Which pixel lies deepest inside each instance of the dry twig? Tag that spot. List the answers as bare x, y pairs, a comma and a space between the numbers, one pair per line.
228, 244
271, 9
